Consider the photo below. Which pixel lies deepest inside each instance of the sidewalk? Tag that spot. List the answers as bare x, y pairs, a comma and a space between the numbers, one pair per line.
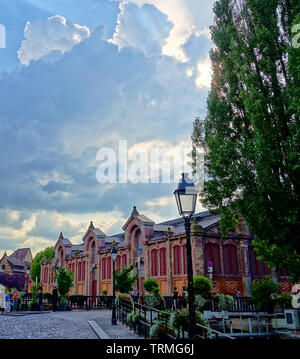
118, 331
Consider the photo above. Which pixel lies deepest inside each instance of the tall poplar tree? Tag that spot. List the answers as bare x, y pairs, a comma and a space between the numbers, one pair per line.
251, 135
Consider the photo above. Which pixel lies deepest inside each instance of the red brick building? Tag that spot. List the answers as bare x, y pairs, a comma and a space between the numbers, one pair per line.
162, 251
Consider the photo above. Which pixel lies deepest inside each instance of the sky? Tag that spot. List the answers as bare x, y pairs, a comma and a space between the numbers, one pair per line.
80, 75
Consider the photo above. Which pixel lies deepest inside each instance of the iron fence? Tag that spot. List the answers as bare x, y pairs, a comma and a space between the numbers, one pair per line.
148, 316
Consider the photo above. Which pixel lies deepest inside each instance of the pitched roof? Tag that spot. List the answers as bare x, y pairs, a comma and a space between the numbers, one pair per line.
21, 253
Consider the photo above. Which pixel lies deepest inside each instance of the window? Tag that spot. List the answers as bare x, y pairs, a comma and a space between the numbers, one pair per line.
79, 272
212, 253
3, 266
103, 268
73, 268
83, 271
230, 259
154, 271
124, 260
52, 275
257, 268
177, 259
162, 261
118, 264
184, 259
109, 268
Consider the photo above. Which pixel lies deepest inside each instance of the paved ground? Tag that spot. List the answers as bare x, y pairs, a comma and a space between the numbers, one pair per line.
60, 325
114, 331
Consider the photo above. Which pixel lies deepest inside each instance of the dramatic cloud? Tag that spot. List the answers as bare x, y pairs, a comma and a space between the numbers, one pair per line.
53, 34
55, 116
144, 28
187, 16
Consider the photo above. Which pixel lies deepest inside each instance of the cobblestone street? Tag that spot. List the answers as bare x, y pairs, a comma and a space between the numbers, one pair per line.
59, 325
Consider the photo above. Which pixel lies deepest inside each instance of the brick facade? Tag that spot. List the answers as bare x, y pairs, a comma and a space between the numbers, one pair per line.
162, 256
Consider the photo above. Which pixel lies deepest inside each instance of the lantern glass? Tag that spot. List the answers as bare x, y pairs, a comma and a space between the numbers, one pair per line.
186, 197
114, 254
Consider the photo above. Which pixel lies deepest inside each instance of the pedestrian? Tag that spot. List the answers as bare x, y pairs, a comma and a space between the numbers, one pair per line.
40, 296
15, 299
184, 297
132, 294
238, 293
137, 295
54, 298
175, 298
7, 302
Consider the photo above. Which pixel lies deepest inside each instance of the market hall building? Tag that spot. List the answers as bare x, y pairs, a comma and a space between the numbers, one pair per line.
162, 251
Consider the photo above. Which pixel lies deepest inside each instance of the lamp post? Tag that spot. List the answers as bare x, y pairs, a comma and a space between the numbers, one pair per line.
27, 275
186, 197
114, 254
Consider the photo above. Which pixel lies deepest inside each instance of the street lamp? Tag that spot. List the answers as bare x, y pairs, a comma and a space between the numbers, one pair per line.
114, 255
186, 197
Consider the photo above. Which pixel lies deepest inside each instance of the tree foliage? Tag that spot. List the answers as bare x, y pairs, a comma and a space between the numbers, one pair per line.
150, 285
35, 267
262, 289
202, 285
12, 280
251, 135
125, 280
64, 281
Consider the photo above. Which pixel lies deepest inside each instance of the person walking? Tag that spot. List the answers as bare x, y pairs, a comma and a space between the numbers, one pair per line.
238, 293
175, 298
132, 294
15, 299
7, 302
40, 296
137, 295
184, 297
54, 298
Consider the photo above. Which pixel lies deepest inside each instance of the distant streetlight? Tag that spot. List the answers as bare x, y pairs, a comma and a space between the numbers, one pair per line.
114, 255
186, 197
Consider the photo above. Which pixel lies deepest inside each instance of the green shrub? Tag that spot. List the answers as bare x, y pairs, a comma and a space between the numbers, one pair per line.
284, 300
35, 287
151, 285
153, 301
104, 292
262, 289
199, 302
64, 281
126, 297
202, 285
158, 330
225, 302
125, 280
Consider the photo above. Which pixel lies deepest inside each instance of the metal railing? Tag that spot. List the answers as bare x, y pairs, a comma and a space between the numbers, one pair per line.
148, 316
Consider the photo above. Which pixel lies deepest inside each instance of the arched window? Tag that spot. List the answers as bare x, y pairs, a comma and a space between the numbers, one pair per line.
103, 268
230, 259
52, 275
124, 260
79, 272
212, 253
109, 268
118, 264
177, 259
154, 271
73, 268
83, 271
93, 253
162, 261
184, 259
